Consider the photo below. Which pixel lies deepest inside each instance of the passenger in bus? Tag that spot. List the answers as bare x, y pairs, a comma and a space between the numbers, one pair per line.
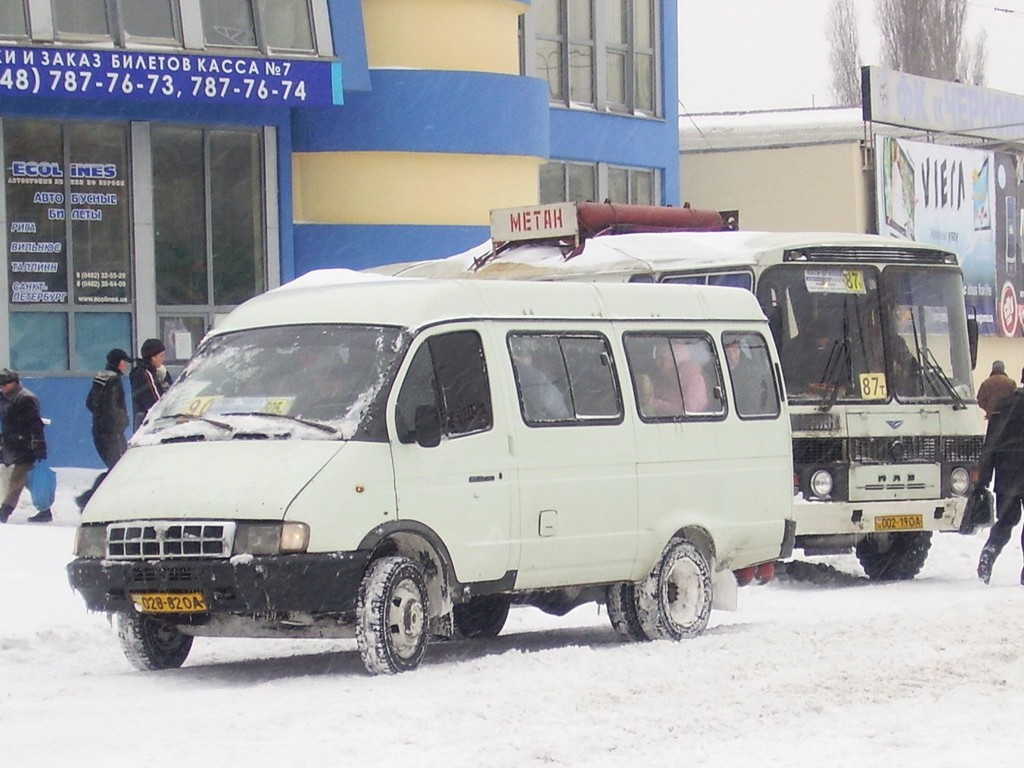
693, 380
750, 387
542, 400
659, 387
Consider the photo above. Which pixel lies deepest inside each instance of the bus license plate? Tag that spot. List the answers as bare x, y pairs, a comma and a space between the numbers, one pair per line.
169, 602
899, 523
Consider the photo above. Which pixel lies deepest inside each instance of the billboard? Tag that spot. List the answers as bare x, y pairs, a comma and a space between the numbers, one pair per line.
967, 200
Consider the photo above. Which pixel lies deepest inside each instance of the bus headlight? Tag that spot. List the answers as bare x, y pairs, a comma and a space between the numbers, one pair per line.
959, 481
821, 483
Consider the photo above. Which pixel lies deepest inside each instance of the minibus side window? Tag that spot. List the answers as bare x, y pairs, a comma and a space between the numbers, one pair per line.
564, 379
750, 368
448, 372
674, 377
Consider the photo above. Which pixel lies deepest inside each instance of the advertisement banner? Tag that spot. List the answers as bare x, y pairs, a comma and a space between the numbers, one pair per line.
169, 77
965, 200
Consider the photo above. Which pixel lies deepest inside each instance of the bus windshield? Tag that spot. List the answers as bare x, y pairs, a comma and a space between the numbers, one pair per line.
851, 333
926, 334
827, 325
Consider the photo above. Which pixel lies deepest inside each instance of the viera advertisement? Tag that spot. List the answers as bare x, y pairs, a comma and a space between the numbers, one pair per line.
966, 200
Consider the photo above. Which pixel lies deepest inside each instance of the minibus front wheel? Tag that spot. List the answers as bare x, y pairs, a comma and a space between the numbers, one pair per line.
392, 616
151, 644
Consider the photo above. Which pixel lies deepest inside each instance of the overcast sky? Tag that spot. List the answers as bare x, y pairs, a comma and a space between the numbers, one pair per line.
767, 54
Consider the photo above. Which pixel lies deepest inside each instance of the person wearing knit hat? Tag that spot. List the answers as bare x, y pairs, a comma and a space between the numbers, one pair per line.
23, 441
106, 402
149, 378
995, 389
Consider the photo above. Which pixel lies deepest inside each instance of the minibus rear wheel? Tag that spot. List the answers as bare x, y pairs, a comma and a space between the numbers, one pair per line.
151, 644
392, 616
674, 601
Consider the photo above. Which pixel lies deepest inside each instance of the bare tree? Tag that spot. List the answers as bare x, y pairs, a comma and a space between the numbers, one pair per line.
974, 59
926, 37
844, 56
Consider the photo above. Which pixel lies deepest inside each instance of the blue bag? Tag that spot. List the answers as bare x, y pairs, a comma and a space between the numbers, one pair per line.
42, 484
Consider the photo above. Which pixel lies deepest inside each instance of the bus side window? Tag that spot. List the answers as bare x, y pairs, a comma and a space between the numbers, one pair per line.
750, 369
447, 373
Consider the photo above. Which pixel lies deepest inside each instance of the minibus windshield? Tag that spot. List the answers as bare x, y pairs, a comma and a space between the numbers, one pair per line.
309, 381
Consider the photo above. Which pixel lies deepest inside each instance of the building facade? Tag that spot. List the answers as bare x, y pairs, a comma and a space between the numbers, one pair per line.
165, 160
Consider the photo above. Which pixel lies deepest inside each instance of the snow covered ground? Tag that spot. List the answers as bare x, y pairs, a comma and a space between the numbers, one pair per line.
922, 673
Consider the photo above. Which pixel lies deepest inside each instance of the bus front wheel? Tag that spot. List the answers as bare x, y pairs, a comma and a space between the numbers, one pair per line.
894, 556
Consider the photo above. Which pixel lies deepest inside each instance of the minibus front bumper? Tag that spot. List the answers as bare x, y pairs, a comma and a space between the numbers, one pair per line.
324, 583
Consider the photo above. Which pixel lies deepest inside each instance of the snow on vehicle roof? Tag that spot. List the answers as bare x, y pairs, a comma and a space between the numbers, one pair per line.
414, 303
618, 256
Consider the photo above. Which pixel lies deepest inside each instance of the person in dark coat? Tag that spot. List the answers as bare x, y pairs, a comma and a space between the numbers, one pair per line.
149, 379
109, 415
996, 388
1003, 453
23, 441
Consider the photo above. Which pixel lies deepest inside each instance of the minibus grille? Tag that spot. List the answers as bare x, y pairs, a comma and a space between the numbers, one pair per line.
167, 539
965, 448
914, 449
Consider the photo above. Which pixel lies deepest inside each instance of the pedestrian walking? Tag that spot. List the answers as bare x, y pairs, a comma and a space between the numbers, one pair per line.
148, 383
996, 388
1003, 454
23, 442
106, 402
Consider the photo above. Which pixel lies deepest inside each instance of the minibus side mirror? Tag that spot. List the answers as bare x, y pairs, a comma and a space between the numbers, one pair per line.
427, 426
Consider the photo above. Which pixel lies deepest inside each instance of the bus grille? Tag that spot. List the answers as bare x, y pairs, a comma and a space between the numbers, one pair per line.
165, 539
966, 448
818, 450
914, 449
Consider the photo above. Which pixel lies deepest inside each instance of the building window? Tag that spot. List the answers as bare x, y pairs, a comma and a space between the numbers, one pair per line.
598, 53
593, 182
208, 196
68, 242
269, 25
122, 21
13, 22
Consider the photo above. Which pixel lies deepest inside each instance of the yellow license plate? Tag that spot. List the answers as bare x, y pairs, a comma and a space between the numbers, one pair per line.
899, 523
169, 602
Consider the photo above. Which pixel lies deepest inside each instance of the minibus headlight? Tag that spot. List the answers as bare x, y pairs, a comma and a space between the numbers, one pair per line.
91, 541
821, 483
959, 481
270, 538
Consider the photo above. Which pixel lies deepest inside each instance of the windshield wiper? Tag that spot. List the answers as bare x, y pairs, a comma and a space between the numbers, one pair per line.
931, 366
307, 422
838, 359
193, 417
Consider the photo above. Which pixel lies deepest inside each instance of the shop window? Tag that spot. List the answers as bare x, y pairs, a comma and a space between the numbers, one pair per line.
573, 39
39, 341
581, 182
208, 195
68, 241
13, 22
97, 333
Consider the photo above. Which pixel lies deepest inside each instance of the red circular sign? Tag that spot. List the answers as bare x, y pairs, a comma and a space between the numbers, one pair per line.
1008, 315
